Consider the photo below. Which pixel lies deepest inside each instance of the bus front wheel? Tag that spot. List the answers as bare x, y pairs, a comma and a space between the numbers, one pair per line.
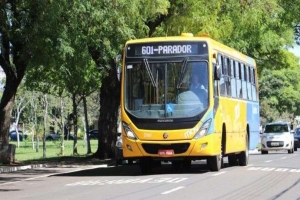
146, 165
215, 162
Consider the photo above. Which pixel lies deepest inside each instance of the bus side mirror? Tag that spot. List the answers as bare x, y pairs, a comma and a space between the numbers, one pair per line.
217, 72
117, 59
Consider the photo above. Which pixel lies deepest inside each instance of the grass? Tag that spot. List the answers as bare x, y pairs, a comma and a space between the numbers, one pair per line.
26, 152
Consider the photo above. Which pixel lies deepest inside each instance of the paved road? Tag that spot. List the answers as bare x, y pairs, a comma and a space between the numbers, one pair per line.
272, 176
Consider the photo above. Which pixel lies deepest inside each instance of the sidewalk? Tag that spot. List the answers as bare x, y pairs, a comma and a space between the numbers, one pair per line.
19, 166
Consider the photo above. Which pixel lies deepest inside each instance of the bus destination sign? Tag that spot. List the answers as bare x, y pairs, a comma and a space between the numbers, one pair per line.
166, 49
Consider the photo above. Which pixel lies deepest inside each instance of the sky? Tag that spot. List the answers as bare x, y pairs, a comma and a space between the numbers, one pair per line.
295, 50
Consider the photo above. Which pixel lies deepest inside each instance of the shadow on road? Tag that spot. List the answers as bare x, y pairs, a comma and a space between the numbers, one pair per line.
134, 170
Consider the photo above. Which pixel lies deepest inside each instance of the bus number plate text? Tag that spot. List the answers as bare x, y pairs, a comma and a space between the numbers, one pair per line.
166, 152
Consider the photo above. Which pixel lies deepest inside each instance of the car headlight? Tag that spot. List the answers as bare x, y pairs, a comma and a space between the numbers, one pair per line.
203, 130
263, 139
128, 132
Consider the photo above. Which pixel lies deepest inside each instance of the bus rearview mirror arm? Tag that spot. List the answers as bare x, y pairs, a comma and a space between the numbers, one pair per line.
117, 59
217, 72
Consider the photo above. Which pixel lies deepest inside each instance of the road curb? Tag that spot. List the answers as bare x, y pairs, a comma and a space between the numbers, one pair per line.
18, 168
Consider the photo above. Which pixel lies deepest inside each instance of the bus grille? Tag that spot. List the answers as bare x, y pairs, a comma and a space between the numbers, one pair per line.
178, 148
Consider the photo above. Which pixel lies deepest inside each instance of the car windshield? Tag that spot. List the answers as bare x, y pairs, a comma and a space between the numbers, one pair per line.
276, 128
297, 131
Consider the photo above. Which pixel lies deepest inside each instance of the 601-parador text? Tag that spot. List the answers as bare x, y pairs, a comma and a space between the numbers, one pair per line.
168, 49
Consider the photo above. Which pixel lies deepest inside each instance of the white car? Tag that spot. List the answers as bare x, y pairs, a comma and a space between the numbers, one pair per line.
277, 136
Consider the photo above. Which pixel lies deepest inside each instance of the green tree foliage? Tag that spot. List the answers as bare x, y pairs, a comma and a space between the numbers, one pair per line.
279, 93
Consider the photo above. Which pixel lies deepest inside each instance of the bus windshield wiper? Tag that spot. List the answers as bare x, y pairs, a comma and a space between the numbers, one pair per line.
145, 61
183, 69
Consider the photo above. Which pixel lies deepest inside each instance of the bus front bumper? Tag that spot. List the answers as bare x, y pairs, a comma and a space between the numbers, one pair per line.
209, 145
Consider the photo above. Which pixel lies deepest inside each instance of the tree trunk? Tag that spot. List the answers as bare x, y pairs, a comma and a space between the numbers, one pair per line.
75, 152
62, 147
7, 153
6, 106
86, 126
11, 51
45, 107
109, 110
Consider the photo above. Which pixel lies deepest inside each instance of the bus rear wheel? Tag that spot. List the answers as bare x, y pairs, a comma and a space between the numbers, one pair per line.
244, 156
232, 160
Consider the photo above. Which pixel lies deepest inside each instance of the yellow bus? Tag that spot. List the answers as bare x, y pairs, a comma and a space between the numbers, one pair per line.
187, 98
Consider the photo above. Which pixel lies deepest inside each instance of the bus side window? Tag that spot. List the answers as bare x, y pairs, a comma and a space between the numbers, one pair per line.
222, 81
249, 83
216, 88
233, 80
254, 96
238, 79
228, 75
244, 85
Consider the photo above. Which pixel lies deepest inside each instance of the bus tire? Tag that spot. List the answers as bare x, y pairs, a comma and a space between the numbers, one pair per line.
176, 164
187, 165
145, 165
232, 160
118, 162
130, 162
244, 156
215, 163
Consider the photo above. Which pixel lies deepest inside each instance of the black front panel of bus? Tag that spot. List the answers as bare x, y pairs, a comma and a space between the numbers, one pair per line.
166, 124
177, 148
169, 49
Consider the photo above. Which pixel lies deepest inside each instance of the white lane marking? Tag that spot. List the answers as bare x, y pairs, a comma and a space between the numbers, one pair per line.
173, 190
283, 158
295, 170
281, 170
47, 175
128, 181
269, 161
249, 165
217, 174
273, 169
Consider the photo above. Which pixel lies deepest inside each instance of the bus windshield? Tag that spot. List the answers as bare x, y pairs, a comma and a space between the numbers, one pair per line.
166, 89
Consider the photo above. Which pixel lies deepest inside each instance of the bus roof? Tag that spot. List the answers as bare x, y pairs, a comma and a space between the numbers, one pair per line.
214, 45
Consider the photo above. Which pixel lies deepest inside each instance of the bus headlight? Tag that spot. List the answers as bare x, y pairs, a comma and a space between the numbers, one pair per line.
203, 130
129, 133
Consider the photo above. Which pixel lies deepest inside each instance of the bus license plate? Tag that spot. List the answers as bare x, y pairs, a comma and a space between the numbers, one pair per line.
166, 152
274, 144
